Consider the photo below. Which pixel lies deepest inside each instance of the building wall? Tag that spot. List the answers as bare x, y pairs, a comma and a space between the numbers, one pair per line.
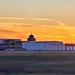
15, 44
1, 41
28, 45
39, 46
32, 45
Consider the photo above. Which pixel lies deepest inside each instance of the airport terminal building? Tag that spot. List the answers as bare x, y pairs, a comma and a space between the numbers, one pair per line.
32, 45
10, 44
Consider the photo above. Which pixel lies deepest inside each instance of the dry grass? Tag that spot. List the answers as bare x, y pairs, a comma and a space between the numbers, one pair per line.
36, 53
37, 62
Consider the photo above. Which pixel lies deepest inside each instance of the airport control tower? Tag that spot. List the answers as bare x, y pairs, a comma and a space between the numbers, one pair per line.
31, 38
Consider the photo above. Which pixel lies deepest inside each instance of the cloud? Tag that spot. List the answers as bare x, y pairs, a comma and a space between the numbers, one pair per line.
41, 32
44, 19
60, 23
35, 19
10, 18
68, 7
7, 31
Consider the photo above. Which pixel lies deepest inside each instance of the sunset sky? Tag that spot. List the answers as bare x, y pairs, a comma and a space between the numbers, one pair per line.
48, 20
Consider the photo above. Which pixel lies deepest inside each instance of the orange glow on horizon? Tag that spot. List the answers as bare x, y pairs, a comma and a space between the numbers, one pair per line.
41, 32
48, 20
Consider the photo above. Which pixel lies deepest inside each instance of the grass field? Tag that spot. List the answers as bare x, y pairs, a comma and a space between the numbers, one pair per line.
37, 63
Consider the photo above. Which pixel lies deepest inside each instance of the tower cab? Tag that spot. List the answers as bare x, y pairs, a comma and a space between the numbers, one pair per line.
31, 38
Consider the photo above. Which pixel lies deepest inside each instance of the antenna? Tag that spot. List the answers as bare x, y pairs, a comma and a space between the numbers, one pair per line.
31, 31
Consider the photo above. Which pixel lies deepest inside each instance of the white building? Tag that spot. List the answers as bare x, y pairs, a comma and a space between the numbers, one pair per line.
32, 44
